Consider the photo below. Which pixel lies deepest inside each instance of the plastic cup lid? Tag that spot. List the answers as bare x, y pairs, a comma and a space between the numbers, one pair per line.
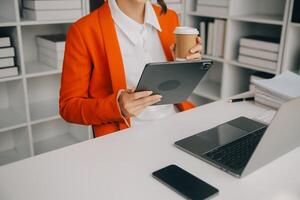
186, 30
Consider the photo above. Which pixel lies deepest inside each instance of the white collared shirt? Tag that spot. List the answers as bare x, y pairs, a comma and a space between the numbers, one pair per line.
140, 44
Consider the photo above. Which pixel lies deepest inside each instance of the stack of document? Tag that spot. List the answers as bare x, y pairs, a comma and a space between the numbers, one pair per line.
259, 51
278, 90
52, 9
51, 49
7, 58
258, 76
213, 8
212, 34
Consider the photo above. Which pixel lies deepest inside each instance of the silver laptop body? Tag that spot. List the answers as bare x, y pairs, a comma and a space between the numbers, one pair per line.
280, 137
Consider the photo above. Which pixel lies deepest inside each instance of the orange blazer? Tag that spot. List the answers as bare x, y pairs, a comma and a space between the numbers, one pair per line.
93, 71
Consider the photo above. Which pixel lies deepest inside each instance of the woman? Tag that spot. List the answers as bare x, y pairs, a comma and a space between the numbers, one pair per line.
105, 54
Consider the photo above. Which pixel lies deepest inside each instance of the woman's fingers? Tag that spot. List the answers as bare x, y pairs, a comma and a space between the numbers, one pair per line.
197, 48
131, 104
194, 56
136, 110
196, 51
138, 95
199, 40
146, 101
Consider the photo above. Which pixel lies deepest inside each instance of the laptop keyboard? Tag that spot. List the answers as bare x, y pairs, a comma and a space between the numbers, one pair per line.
236, 154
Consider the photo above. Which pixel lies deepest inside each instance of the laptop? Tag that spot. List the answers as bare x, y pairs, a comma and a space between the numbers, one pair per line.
242, 145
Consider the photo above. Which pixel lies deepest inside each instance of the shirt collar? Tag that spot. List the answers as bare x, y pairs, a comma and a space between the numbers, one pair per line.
129, 27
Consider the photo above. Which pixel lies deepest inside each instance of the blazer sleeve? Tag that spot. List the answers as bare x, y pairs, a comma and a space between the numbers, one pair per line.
75, 105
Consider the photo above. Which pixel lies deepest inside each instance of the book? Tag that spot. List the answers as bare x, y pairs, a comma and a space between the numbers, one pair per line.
203, 36
55, 42
210, 38
6, 62
260, 76
57, 64
267, 101
285, 86
220, 3
51, 14
8, 71
219, 37
212, 11
52, 5
261, 42
7, 52
55, 55
5, 42
258, 62
257, 53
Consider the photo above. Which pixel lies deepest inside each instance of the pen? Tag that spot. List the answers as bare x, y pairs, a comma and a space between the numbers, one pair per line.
241, 99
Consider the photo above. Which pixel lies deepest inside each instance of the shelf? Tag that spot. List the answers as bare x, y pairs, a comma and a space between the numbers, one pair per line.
37, 68
209, 89
26, 22
260, 18
6, 22
11, 117
293, 24
236, 63
46, 119
33, 67
12, 78
9, 128
12, 104
218, 59
43, 109
56, 134
14, 146
53, 143
9, 156
195, 13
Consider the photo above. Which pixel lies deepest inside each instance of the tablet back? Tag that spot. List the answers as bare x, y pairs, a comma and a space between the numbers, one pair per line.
175, 81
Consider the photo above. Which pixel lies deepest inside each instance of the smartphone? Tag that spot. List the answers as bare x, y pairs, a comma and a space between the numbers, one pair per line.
184, 183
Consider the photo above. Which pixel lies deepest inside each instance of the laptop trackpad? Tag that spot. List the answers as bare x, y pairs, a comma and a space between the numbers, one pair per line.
207, 140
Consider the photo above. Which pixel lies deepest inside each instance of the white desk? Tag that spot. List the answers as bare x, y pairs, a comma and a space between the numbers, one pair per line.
119, 166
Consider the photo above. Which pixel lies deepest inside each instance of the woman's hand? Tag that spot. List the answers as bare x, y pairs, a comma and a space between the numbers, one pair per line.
133, 103
195, 52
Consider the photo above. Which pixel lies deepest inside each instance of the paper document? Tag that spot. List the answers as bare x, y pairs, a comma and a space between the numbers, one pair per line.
285, 86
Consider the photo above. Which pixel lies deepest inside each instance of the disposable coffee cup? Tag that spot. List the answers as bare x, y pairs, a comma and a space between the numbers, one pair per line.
185, 38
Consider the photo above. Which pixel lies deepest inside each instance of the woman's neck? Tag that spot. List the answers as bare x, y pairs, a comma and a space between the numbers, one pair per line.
134, 10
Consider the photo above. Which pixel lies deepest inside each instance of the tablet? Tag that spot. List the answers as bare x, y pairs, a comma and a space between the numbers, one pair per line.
174, 81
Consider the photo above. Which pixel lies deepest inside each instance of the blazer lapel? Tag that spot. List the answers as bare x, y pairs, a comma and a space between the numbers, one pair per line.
112, 48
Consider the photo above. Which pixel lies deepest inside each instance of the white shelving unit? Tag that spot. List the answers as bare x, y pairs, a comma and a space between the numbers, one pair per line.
29, 120
255, 17
291, 59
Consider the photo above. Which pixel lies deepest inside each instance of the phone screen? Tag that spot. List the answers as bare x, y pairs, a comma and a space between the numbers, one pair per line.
186, 184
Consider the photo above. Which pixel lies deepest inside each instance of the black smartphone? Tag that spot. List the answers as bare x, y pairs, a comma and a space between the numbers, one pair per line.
184, 183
